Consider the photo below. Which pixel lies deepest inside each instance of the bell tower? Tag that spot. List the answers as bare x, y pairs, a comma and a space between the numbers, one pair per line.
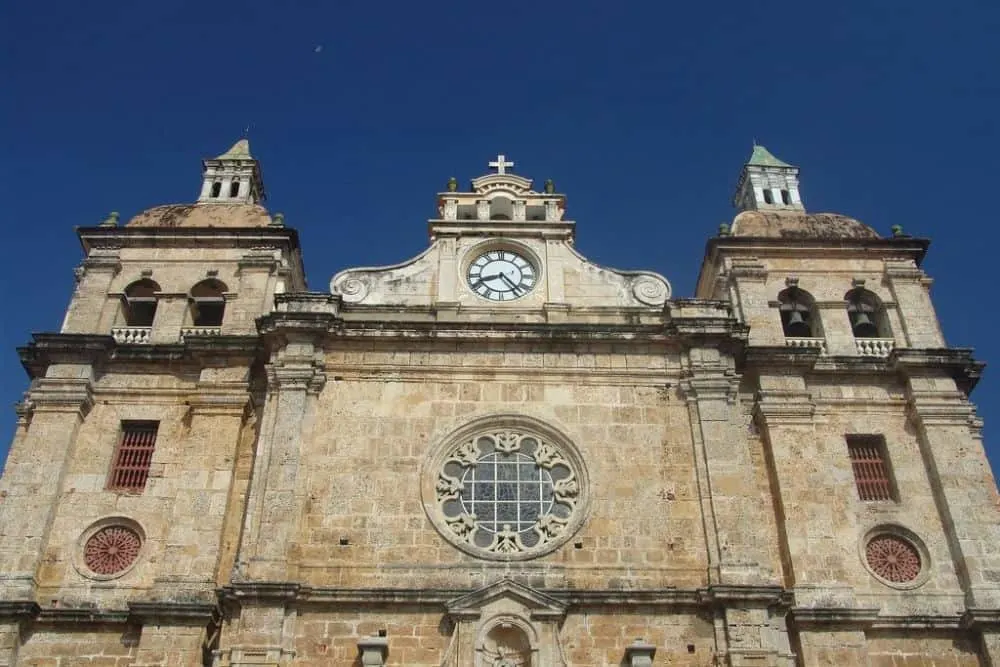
767, 184
232, 178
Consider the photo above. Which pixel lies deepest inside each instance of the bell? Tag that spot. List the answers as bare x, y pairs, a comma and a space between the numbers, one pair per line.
797, 326
863, 326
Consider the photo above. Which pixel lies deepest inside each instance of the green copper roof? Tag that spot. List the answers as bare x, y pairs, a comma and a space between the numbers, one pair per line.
239, 151
762, 157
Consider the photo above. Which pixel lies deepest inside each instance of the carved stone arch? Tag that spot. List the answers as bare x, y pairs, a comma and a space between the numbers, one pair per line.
507, 640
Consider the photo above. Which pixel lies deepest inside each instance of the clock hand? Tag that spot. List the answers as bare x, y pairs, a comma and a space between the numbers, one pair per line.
513, 285
482, 278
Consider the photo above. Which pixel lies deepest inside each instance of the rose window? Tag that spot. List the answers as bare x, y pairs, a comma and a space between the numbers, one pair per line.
508, 493
111, 550
892, 558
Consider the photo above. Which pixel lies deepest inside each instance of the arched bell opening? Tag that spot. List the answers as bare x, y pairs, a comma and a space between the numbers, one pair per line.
139, 303
798, 313
867, 314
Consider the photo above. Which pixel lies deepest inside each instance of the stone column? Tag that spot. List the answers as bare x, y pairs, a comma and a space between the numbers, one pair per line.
960, 476
93, 280
910, 289
34, 475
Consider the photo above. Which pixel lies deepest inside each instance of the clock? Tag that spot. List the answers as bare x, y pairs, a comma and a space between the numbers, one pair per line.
501, 275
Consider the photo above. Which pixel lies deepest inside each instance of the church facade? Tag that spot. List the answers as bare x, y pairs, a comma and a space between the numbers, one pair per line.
497, 453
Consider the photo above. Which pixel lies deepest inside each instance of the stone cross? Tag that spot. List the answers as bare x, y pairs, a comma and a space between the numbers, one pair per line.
501, 164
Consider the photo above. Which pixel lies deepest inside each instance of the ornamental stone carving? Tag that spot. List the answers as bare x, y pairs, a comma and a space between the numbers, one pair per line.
650, 290
505, 488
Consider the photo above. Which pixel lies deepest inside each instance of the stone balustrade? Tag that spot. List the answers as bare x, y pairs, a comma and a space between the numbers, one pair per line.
201, 331
818, 343
874, 347
132, 335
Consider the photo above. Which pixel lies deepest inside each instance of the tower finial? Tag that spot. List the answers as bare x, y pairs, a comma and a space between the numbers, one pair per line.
767, 183
233, 177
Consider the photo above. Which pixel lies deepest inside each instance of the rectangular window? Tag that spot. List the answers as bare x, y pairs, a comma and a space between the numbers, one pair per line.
130, 465
871, 467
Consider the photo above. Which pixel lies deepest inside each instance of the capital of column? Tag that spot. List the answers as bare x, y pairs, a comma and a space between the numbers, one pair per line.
710, 388
70, 395
749, 267
789, 407
219, 400
310, 379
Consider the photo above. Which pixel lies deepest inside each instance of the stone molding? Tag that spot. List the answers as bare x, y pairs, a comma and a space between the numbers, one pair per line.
957, 362
47, 349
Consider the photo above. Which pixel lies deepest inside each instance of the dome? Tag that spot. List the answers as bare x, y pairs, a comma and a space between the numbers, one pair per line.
203, 215
800, 225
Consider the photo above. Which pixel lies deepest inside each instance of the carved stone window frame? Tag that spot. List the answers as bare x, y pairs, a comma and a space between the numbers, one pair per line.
907, 535
79, 560
445, 451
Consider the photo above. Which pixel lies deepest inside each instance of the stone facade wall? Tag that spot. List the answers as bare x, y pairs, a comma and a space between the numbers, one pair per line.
372, 437
104, 645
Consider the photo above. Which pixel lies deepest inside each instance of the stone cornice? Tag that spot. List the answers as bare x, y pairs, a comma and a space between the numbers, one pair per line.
46, 349
957, 362
552, 599
982, 619
910, 247
782, 357
15, 610
241, 237
172, 613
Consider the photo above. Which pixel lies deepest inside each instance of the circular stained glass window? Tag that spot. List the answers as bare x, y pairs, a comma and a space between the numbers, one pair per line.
111, 550
893, 558
507, 493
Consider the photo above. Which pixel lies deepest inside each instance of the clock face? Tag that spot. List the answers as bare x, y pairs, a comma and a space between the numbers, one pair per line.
501, 275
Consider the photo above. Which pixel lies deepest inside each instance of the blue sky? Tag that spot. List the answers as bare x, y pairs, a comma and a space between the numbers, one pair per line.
643, 113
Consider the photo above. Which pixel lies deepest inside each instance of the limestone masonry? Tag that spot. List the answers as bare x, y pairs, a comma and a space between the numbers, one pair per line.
497, 453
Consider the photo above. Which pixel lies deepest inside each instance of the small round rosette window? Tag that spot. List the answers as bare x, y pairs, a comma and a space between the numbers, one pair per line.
893, 559
111, 550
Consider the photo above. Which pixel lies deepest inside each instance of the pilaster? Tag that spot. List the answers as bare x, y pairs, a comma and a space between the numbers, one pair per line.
729, 498
960, 476
910, 289
172, 633
34, 476
262, 628
90, 297
205, 474
295, 377
13, 617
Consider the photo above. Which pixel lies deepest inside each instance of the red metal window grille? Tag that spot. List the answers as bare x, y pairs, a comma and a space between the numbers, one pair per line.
893, 558
133, 456
871, 474
112, 550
